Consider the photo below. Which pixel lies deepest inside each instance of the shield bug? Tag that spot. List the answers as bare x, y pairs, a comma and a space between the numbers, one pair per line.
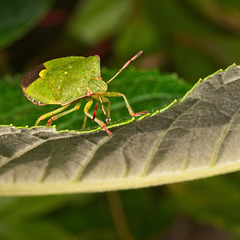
64, 81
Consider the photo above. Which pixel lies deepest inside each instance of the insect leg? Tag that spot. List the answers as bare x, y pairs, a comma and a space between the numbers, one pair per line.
86, 108
76, 107
118, 94
103, 108
106, 113
50, 114
106, 100
84, 122
95, 109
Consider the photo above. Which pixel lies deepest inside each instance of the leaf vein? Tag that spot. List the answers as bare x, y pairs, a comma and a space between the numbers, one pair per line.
159, 140
221, 139
88, 160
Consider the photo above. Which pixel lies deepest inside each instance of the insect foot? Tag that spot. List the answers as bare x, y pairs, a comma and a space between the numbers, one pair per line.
139, 113
50, 121
106, 129
108, 120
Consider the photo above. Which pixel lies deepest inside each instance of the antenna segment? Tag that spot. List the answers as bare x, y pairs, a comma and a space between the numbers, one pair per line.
125, 65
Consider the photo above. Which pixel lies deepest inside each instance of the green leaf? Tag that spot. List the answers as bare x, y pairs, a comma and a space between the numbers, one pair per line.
95, 19
192, 138
17, 17
205, 201
34, 230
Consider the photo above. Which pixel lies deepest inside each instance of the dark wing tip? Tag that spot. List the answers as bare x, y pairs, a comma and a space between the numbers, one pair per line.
30, 76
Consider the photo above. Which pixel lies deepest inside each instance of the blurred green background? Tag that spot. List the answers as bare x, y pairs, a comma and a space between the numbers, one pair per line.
193, 38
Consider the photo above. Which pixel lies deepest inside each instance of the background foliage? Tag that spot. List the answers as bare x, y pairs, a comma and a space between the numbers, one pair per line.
191, 38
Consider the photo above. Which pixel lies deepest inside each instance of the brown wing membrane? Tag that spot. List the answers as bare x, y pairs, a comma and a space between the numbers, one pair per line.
28, 78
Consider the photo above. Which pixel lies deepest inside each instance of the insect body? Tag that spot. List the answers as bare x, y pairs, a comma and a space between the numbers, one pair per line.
64, 81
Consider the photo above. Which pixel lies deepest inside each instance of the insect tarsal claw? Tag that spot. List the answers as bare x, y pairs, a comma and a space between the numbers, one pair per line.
108, 120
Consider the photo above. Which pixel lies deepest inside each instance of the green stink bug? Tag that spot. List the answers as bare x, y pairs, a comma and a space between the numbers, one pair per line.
66, 80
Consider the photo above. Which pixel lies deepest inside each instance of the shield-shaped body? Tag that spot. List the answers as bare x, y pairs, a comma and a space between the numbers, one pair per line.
63, 80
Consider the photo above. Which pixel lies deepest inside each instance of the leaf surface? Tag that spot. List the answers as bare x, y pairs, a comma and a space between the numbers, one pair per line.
195, 137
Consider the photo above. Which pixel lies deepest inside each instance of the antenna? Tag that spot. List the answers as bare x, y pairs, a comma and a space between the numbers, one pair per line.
125, 65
